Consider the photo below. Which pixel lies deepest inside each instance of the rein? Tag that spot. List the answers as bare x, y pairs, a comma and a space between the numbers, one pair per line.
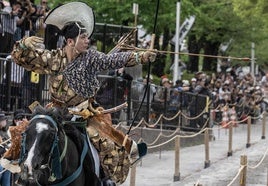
55, 156
75, 174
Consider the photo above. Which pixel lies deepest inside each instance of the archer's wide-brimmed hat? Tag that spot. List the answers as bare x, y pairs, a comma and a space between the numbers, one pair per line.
70, 13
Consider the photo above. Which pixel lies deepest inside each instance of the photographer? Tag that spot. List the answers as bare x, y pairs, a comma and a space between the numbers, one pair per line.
41, 11
9, 20
27, 12
6, 175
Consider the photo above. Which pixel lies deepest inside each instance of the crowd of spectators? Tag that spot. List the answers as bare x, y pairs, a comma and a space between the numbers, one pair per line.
231, 88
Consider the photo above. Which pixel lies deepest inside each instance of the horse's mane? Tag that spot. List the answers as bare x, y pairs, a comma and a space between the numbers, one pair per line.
58, 114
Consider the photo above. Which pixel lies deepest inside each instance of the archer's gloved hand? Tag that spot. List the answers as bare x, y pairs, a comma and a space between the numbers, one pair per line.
147, 56
33, 42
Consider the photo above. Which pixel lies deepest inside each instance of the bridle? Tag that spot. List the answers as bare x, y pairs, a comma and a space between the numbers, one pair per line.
54, 160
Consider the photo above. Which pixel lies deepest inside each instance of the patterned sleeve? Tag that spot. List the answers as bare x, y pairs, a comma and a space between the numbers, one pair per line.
40, 60
100, 61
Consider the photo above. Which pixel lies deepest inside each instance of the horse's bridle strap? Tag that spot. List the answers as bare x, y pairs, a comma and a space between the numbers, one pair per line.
65, 148
45, 117
75, 174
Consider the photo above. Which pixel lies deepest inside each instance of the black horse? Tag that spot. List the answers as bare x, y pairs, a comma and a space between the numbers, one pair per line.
56, 154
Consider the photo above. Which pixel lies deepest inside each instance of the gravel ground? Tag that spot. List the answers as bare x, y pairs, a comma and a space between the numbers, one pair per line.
157, 169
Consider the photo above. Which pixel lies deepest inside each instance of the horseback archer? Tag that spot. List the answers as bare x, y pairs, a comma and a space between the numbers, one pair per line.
73, 79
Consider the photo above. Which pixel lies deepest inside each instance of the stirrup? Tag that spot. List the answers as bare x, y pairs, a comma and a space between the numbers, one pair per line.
12, 166
142, 151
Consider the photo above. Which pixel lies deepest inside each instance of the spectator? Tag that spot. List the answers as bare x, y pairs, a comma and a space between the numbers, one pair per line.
19, 116
3, 127
185, 86
225, 93
151, 89
162, 96
9, 22
29, 88
5, 177
139, 88
16, 72
42, 8
192, 85
264, 87
198, 103
27, 14
41, 11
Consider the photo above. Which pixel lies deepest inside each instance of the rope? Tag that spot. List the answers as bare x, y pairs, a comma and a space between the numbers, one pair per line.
174, 117
6, 141
151, 144
188, 136
258, 164
172, 136
127, 47
236, 176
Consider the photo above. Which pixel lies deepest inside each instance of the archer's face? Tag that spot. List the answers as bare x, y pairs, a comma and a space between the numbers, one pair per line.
82, 43
79, 44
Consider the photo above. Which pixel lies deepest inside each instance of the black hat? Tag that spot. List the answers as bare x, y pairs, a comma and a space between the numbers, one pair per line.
19, 114
2, 117
73, 29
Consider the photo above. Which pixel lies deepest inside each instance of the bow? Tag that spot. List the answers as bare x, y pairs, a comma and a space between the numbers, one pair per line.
148, 74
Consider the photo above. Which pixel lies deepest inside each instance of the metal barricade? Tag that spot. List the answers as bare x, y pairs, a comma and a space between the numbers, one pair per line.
19, 88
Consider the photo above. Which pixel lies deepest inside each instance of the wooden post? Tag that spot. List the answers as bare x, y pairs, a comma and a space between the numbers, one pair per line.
176, 176
230, 144
267, 178
249, 130
211, 117
133, 176
263, 125
243, 174
161, 124
206, 142
161, 129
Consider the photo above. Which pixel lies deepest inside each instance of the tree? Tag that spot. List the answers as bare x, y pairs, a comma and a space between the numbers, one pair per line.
217, 22
254, 14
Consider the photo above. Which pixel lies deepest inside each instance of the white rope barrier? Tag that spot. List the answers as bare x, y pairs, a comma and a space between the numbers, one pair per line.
172, 136
237, 174
260, 162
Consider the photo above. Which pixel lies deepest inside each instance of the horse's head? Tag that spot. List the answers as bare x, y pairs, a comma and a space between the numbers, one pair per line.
38, 146
53, 153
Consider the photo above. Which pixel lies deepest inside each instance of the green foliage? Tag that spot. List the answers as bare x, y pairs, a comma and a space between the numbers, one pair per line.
217, 21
